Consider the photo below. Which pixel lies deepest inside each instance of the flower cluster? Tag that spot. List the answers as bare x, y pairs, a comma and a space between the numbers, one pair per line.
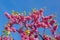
31, 23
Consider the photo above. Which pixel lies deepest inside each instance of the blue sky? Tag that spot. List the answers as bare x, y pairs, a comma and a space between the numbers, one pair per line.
52, 6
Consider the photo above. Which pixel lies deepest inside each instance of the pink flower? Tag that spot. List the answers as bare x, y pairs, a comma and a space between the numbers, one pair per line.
0, 38
9, 17
13, 29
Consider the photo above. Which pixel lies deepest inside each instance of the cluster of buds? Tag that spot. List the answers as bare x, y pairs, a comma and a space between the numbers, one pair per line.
31, 23
5, 35
6, 38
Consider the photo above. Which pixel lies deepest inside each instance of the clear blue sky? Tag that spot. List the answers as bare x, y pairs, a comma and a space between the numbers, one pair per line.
52, 6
